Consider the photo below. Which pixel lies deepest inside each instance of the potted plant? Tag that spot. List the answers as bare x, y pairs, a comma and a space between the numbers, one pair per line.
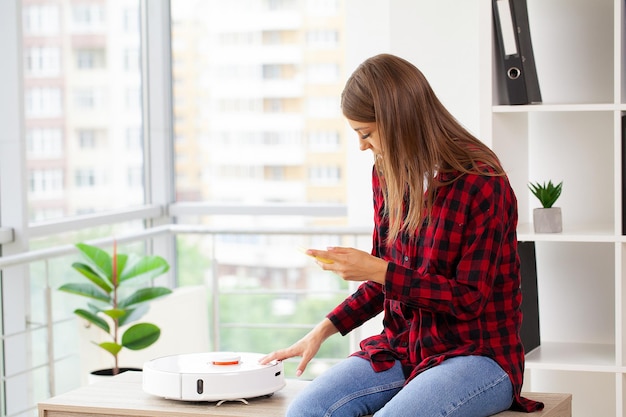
547, 219
114, 303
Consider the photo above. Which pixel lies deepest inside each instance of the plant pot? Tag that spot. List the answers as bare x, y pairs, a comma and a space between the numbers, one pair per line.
102, 374
548, 220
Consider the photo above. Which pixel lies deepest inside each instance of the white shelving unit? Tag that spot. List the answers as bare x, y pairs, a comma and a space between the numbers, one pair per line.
574, 136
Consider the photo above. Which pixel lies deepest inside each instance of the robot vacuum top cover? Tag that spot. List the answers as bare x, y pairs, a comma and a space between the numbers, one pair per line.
212, 376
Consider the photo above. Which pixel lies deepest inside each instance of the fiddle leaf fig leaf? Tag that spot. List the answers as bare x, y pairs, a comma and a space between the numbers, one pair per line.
140, 336
99, 258
93, 276
144, 294
115, 313
112, 348
86, 290
134, 314
93, 318
147, 267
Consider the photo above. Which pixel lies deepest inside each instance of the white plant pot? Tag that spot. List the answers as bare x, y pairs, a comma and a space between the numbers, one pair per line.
548, 220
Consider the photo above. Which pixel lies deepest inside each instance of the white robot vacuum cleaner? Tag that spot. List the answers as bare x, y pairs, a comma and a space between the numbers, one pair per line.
212, 376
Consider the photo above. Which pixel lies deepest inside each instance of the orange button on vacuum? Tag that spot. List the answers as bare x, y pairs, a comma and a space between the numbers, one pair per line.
225, 358
220, 363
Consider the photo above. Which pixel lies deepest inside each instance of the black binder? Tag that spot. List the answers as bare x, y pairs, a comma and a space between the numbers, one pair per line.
623, 174
529, 70
529, 331
515, 52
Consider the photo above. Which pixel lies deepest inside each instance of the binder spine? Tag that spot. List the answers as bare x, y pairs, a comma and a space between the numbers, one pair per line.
529, 70
623, 144
517, 63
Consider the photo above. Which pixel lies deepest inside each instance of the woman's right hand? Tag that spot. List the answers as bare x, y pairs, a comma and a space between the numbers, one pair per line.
307, 347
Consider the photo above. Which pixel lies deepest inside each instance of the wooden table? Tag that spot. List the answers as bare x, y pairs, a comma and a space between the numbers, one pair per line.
123, 395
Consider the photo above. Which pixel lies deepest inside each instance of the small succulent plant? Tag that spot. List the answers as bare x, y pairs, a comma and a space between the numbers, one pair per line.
547, 194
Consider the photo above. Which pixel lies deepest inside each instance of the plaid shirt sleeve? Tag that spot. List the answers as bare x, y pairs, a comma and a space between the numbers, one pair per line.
365, 303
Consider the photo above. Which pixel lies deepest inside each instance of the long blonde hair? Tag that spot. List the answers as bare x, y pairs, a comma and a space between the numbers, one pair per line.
418, 137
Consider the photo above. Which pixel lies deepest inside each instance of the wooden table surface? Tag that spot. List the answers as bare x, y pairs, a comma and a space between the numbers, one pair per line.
123, 395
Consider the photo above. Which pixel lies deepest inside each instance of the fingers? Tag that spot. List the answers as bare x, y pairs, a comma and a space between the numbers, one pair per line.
302, 366
277, 355
280, 355
320, 256
329, 256
266, 359
332, 259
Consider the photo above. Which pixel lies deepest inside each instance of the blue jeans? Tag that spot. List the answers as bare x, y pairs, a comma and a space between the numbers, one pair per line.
464, 386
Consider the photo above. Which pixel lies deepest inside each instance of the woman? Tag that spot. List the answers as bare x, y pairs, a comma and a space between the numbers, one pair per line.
444, 266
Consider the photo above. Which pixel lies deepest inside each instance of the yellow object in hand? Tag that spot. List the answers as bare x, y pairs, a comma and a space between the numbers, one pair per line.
319, 258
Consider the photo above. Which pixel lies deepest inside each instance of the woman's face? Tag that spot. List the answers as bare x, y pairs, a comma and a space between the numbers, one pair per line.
368, 136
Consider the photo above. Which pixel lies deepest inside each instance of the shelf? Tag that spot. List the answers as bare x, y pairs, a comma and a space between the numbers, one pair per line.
555, 107
588, 357
571, 233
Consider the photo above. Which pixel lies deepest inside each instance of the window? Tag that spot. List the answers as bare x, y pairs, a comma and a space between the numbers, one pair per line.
87, 139
85, 178
241, 91
90, 59
272, 37
42, 61
322, 39
271, 71
44, 143
324, 175
43, 102
323, 140
46, 183
275, 173
82, 109
41, 19
85, 99
88, 17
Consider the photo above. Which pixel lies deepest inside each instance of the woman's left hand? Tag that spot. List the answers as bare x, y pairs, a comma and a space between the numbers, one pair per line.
351, 264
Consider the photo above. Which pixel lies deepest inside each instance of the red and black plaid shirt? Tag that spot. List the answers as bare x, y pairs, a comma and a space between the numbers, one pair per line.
453, 290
